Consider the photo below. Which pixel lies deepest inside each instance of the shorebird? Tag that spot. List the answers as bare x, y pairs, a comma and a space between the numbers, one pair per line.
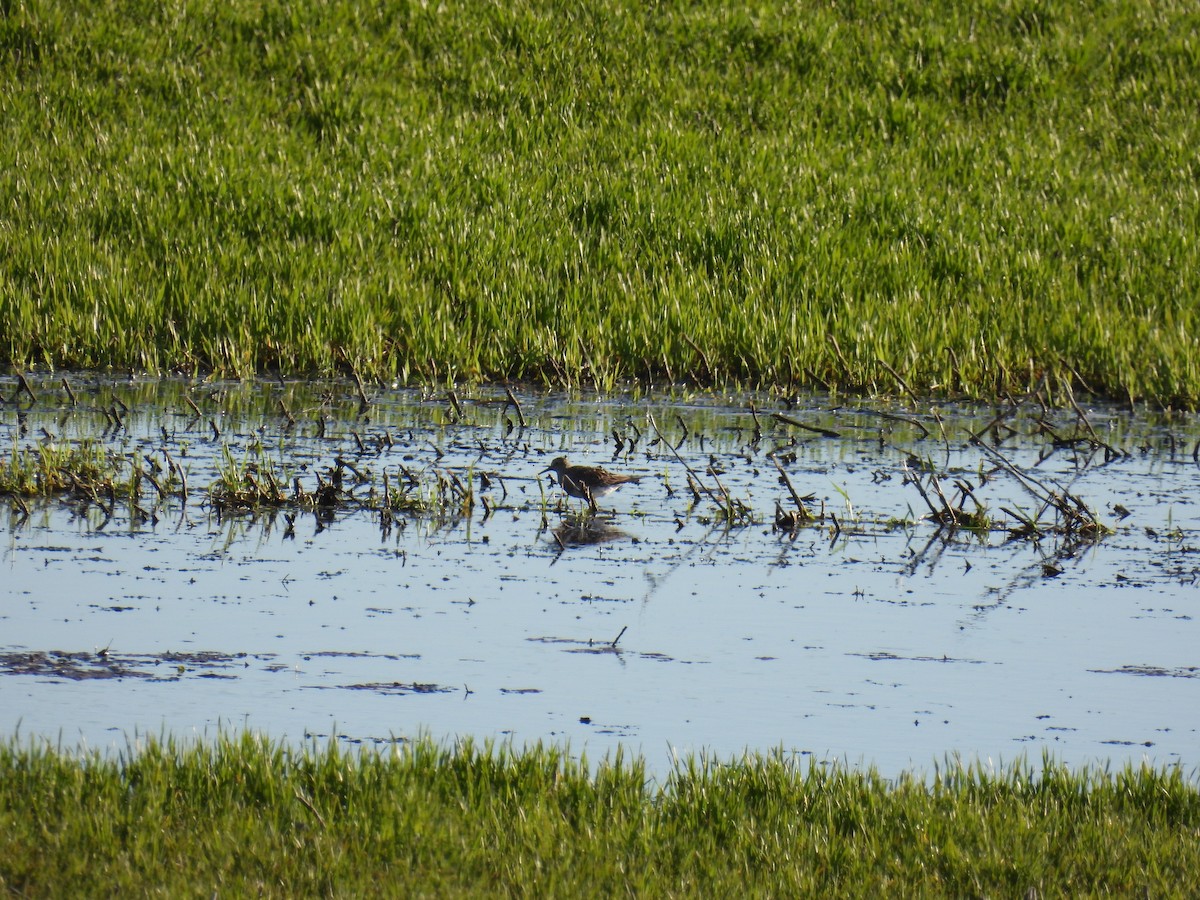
587, 482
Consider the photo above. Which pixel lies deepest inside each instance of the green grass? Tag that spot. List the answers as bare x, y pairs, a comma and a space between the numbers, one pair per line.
86, 474
46, 469
978, 196
242, 815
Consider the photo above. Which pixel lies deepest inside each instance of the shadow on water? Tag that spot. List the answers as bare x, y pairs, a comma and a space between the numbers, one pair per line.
882, 582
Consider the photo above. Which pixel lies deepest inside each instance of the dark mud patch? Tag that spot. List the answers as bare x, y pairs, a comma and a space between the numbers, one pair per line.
597, 598
353, 654
399, 688
610, 648
614, 730
391, 739
884, 656
1153, 671
1117, 743
62, 665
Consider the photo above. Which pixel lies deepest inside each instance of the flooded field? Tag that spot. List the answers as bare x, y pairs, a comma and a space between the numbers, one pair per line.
876, 584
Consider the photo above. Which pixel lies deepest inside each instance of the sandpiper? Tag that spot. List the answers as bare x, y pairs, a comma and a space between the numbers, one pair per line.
587, 482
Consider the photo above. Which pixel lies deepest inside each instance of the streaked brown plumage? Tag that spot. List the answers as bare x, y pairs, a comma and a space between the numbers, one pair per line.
587, 482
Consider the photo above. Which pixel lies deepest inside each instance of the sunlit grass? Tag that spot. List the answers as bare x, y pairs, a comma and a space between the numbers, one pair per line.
49, 469
249, 815
869, 197
86, 474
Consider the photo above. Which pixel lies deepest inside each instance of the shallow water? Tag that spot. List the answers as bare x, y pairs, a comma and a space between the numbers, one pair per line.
871, 636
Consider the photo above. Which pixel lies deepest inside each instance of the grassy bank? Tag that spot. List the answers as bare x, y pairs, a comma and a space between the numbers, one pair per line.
856, 195
241, 816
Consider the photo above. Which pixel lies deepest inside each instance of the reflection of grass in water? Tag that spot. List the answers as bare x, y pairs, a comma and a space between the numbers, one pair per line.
261, 817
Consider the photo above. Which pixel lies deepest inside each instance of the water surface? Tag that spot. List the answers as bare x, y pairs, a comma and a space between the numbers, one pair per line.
667, 624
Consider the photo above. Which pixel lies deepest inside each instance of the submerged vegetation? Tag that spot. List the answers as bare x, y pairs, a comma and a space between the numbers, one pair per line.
883, 197
244, 815
379, 473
